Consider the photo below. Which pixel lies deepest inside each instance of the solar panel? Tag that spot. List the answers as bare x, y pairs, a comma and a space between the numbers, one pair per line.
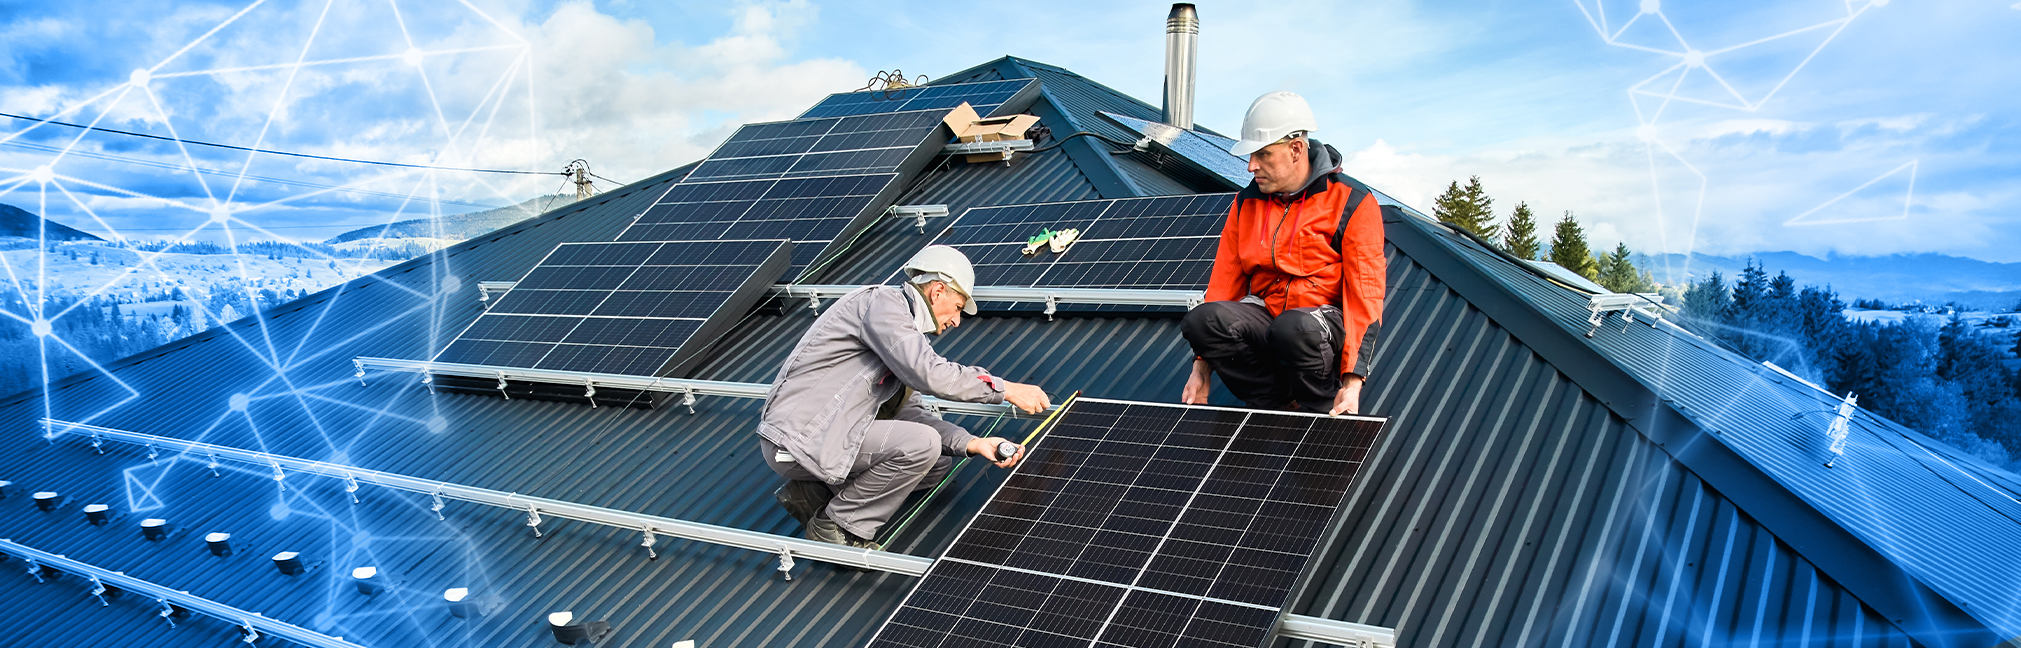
1162, 243
812, 211
621, 307
984, 96
1209, 152
805, 147
1141, 524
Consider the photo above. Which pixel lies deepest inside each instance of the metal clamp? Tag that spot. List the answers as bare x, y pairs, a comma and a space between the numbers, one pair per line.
151, 453
35, 569
533, 520
428, 380
501, 386
167, 612
688, 400
98, 590
360, 364
252, 633
648, 544
97, 443
1052, 306
213, 465
589, 392
439, 504
786, 562
279, 476
351, 487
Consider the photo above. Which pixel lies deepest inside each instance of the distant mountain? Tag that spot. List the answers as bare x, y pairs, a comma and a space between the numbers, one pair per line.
1899, 278
460, 226
15, 221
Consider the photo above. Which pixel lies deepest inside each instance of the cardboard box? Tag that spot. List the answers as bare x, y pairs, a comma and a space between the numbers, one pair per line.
971, 127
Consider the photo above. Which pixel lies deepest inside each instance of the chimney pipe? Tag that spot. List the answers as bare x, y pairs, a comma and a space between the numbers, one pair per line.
1182, 43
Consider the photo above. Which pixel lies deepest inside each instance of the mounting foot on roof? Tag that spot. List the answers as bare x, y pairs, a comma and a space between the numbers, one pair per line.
589, 392
648, 544
351, 487
360, 364
533, 520
786, 562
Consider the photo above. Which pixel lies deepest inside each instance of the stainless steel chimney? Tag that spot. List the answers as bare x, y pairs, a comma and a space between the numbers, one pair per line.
1182, 43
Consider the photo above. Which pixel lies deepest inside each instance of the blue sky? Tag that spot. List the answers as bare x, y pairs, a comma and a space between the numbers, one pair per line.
1797, 126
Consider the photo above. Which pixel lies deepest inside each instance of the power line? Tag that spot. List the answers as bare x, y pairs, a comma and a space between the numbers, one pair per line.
271, 152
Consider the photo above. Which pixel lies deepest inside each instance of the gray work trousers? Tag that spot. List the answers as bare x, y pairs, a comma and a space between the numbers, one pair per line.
897, 458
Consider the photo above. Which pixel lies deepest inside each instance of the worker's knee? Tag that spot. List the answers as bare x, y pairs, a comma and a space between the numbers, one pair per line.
913, 446
1218, 324
1307, 339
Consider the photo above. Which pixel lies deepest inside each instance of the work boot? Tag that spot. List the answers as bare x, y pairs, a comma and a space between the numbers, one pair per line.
821, 529
803, 499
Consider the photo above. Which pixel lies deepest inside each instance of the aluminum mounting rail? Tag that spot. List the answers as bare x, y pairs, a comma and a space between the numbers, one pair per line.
1051, 297
1293, 626
689, 389
650, 527
253, 621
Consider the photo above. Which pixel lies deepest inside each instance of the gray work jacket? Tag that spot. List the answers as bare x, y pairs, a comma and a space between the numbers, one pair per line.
856, 356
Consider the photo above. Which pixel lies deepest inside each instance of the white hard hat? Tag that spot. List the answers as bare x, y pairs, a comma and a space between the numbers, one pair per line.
952, 266
1272, 117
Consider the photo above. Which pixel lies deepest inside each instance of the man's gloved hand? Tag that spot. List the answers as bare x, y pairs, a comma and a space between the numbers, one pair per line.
1348, 399
986, 448
1196, 384
1029, 398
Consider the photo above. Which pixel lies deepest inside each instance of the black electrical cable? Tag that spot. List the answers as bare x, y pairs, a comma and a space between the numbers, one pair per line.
1063, 140
271, 152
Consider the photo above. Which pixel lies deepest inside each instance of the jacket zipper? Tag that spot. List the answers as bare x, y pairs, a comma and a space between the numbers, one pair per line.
1273, 255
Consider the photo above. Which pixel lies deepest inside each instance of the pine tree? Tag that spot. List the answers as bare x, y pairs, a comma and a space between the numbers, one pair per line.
1520, 239
1484, 210
1617, 273
1469, 208
1568, 247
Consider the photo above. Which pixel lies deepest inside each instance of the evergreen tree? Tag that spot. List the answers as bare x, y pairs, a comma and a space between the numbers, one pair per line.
1618, 274
1469, 208
1568, 247
1520, 239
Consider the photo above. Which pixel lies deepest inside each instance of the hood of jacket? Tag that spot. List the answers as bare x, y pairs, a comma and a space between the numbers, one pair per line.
1324, 160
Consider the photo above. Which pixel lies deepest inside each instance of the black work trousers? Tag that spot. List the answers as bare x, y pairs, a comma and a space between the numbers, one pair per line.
1270, 362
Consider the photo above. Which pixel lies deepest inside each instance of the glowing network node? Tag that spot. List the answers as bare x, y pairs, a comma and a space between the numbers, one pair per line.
279, 510
412, 56
1652, 6
220, 214
140, 77
1694, 59
451, 284
1646, 132
437, 424
42, 174
239, 402
40, 327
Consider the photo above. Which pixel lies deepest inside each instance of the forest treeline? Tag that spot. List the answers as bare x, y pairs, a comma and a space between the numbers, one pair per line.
1947, 380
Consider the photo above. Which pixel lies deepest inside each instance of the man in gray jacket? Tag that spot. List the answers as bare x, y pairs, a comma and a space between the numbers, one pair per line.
845, 421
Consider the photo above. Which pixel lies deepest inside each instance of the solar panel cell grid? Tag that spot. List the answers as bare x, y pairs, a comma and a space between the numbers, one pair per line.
984, 96
1180, 525
1165, 243
620, 307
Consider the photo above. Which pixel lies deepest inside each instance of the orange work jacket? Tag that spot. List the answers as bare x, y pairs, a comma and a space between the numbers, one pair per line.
1280, 248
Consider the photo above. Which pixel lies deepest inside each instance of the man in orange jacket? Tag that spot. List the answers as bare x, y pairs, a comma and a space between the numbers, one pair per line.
1295, 299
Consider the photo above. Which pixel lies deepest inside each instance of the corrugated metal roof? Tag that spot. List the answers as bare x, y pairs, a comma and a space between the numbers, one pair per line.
1517, 499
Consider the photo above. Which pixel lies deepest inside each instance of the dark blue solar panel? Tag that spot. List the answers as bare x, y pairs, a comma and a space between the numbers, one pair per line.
1211, 153
619, 307
812, 211
1137, 524
1163, 243
858, 144
984, 96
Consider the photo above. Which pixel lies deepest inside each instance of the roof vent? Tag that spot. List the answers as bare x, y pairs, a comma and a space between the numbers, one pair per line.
154, 528
220, 544
97, 514
289, 562
367, 579
463, 604
575, 633
1182, 45
3, 487
47, 501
